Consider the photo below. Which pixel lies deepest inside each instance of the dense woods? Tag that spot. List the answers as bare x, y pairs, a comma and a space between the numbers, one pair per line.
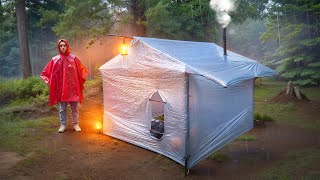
280, 33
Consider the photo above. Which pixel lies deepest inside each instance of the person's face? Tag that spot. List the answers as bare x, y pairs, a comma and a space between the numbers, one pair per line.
63, 47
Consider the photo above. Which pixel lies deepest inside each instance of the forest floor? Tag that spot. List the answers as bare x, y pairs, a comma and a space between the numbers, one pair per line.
283, 149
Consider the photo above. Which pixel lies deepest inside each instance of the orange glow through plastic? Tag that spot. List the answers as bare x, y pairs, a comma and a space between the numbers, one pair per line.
98, 125
124, 49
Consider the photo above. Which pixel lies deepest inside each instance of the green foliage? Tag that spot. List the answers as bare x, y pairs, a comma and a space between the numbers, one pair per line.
265, 91
257, 116
9, 51
186, 20
267, 118
288, 114
190, 20
17, 134
81, 19
246, 138
21, 100
7, 20
31, 88
294, 26
313, 93
263, 117
39, 38
292, 49
167, 28
22, 89
49, 17
248, 9
95, 82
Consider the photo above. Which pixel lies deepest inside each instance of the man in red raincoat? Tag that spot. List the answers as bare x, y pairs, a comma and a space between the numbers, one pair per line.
65, 76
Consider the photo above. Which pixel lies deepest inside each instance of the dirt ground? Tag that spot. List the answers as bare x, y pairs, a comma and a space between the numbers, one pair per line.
88, 155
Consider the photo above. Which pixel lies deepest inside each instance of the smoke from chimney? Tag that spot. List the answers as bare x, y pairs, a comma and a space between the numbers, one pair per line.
222, 9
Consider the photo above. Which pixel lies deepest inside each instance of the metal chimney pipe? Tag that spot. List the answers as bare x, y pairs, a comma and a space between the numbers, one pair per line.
224, 41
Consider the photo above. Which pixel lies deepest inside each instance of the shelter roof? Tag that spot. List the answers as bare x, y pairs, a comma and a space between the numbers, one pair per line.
207, 59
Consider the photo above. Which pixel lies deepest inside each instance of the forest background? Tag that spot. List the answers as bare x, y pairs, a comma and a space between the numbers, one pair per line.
283, 34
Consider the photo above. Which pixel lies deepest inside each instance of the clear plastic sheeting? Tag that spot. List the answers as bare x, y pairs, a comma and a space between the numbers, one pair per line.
207, 59
217, 115
200, 115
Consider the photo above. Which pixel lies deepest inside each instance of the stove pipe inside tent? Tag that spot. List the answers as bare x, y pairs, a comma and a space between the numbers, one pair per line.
224, 41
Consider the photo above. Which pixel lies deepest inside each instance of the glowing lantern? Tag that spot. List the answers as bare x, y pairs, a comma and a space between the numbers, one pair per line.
98, 127
124, 48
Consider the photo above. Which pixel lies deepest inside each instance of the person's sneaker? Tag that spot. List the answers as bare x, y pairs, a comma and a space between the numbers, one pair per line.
62, 128
77, 128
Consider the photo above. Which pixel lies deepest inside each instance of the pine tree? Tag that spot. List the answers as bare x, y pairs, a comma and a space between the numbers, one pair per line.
294, 29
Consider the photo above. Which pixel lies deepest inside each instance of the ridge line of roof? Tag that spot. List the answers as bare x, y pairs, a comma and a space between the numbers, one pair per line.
135, 37
160, 51
185, 65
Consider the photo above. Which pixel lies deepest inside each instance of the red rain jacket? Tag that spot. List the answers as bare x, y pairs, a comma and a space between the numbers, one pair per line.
65, 76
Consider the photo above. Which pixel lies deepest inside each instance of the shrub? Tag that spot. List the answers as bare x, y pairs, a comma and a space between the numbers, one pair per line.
257, 116
22, 89
31, 87
264, 117
7, 92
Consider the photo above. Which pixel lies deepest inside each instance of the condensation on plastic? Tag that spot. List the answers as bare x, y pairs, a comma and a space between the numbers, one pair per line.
217, 114
207, 59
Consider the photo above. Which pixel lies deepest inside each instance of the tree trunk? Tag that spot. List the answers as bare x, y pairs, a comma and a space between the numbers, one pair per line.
296, 90
23, 39
138, 10
289, 88
293, 90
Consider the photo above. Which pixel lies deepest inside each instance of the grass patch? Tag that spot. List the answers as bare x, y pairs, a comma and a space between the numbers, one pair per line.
264, 108
15, 107
262, 117
28, 163
95, 82
312, 93
219, 156
287, 114
267, 88
271, 81
20, 99
295, 165
265, 93
17, 135
246, 138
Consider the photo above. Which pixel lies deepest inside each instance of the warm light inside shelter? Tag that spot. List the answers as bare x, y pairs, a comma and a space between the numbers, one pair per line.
98, 125
124, 49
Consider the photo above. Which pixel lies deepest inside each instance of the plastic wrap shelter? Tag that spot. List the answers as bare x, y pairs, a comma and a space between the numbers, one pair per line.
181, 99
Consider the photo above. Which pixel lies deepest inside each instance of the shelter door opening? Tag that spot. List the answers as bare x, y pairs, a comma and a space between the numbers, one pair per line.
157, 112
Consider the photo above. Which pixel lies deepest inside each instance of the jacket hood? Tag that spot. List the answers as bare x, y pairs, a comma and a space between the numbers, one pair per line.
68, 47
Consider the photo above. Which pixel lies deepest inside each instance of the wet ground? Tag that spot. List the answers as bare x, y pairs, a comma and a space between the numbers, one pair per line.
7, 161
89, 155
249, 158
